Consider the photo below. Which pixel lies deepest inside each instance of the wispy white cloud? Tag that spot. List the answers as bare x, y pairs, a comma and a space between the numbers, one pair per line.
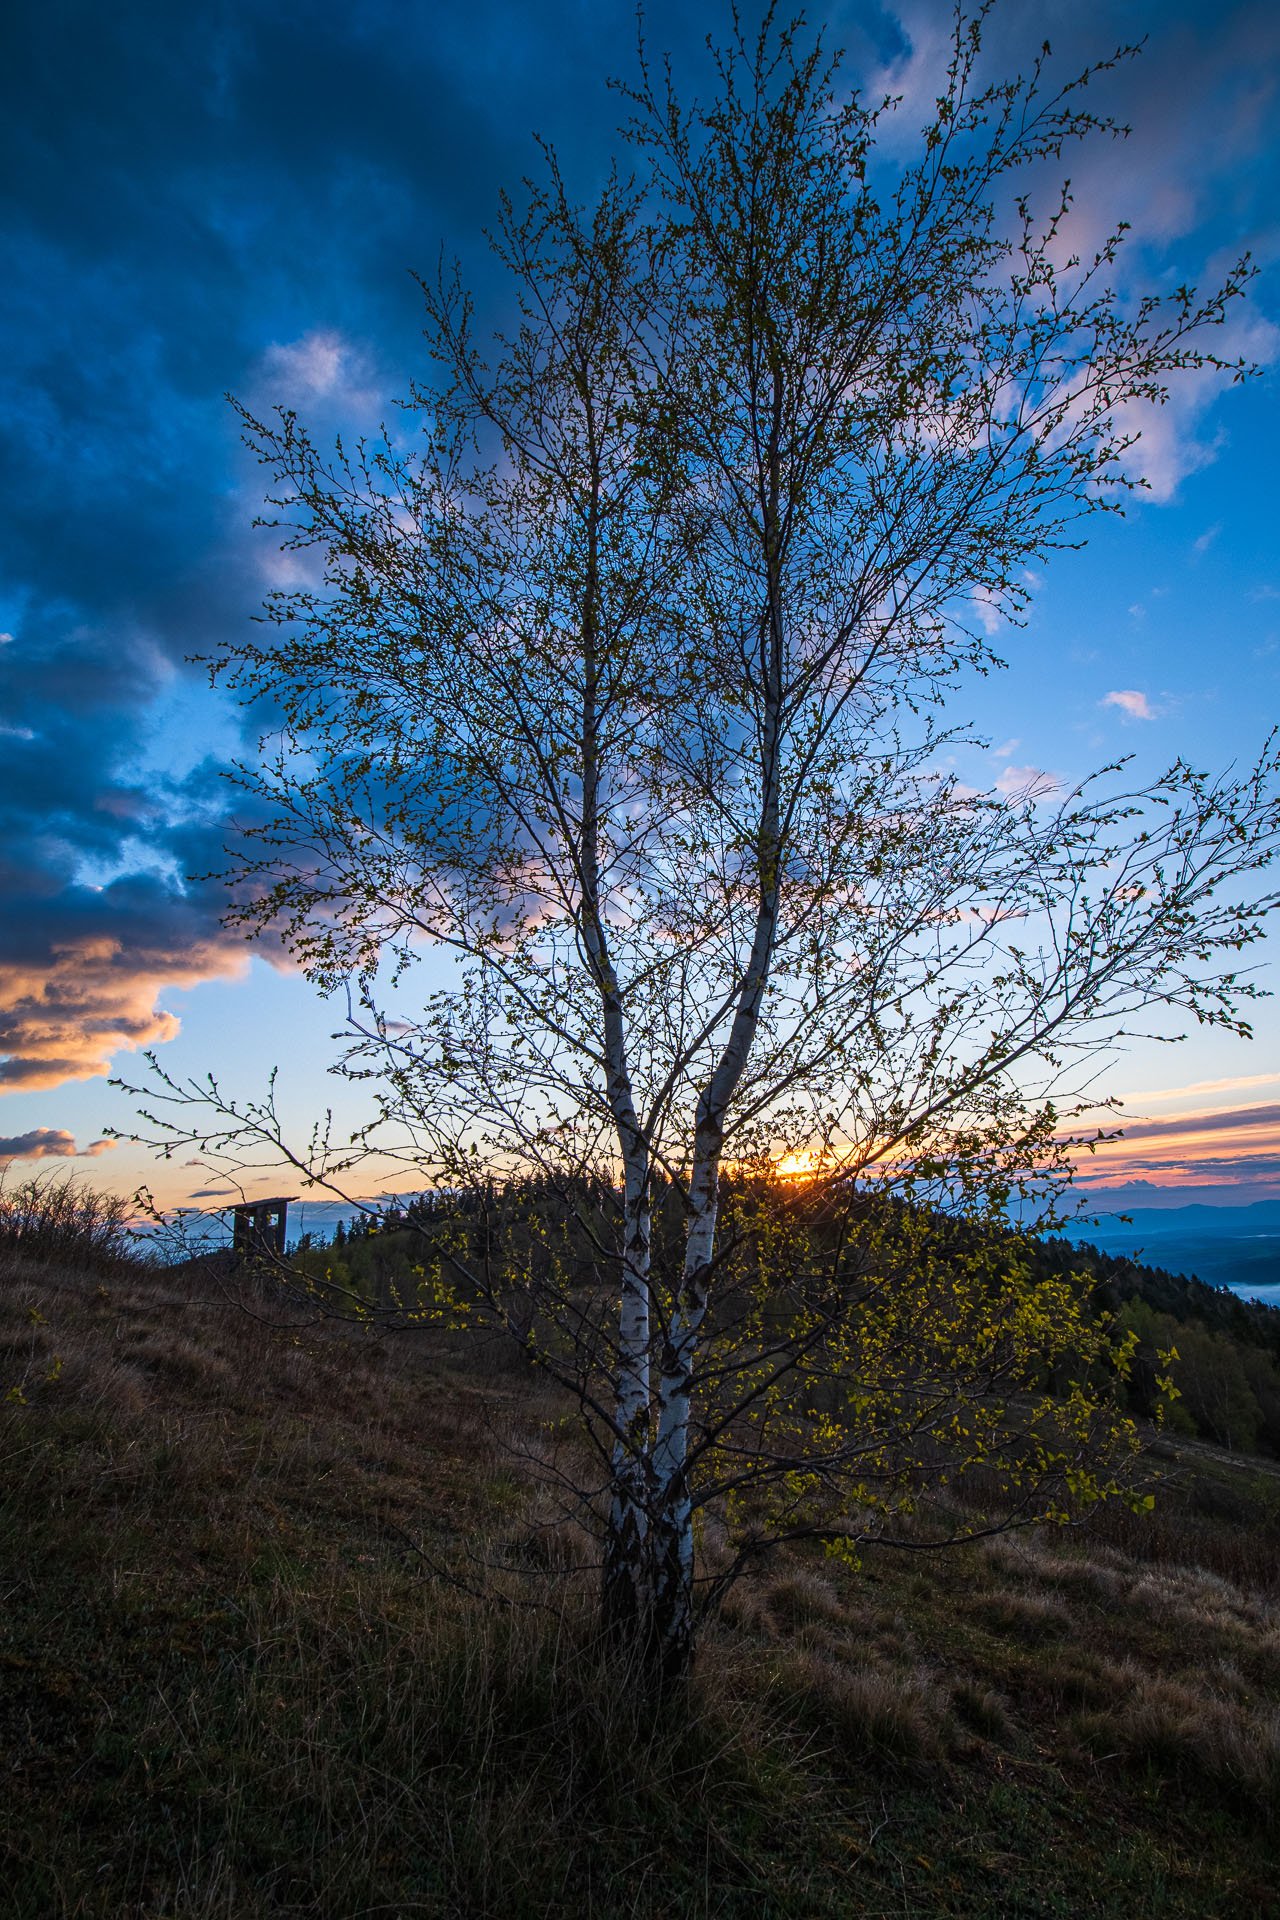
320, 365
1232, 1084
313, 363
1131, 701
1206, 539
1032, 781
989, 615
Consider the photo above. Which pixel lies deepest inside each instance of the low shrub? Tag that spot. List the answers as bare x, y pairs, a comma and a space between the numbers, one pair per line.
62, 1218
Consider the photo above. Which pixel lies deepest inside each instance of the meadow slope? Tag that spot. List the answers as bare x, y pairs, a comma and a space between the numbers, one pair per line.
247, 1668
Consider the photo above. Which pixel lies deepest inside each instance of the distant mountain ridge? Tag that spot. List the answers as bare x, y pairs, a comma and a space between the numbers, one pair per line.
1222, 1221
1226, 1246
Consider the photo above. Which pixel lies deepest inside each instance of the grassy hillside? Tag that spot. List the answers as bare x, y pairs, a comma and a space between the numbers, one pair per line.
236, 1679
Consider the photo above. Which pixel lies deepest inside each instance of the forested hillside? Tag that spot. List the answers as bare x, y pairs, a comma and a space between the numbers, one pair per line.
1227, 1368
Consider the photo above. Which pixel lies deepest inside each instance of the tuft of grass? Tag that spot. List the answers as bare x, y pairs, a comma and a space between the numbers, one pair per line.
1181, 1730
798, 1595
1026, 1616
983, 1709
866, 1713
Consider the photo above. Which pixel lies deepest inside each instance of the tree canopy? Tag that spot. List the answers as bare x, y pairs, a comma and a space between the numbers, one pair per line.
630, 681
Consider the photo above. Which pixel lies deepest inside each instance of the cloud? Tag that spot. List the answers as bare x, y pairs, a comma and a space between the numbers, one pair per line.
236, 239
48, 1143
1224, 1146
1003, 752
1233, 1083
1133, 703
322, 364
1217, 1120
988, 613
1200, 103
94, 997
1031, 781
1206, 540
180, 225
94, 845
309, 365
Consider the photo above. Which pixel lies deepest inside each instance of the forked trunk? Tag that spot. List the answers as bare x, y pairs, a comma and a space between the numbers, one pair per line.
647, 1593
626, 1597
673, 1623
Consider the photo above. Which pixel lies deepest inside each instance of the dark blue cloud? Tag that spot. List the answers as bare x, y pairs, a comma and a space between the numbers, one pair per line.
184, 189
180, 189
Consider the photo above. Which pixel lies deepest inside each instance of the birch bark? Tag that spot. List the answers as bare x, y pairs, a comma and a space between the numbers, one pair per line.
673, 1549
626, 1598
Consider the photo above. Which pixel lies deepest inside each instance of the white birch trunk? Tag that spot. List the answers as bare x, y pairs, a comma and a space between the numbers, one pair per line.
626, 1600
626, 1597
673, 1512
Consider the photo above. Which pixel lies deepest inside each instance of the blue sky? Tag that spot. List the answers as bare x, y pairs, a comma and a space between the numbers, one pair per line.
229, 197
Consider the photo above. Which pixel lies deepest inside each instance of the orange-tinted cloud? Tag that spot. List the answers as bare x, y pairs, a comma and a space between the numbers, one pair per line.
48, 1143
71, 1001
1235, 1146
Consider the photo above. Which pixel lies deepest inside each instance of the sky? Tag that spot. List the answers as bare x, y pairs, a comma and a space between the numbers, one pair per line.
228, 197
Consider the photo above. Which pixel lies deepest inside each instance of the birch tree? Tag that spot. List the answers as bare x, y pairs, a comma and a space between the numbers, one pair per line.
629, 684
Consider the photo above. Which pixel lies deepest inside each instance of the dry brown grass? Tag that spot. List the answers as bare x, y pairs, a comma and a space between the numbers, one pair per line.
1191, 1595
984, 1709
1192, 1733
797, 1596
232, 1683
867, 1712
1029, 1616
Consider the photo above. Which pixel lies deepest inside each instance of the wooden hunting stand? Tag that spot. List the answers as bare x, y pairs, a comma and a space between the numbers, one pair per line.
258, 1227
